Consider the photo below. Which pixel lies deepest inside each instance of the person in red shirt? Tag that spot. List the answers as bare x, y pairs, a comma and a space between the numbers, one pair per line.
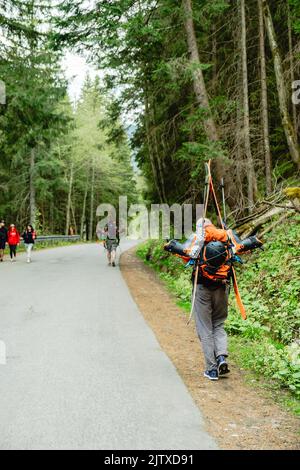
13, 239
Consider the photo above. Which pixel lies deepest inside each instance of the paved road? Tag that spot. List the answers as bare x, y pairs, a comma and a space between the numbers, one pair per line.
84, 371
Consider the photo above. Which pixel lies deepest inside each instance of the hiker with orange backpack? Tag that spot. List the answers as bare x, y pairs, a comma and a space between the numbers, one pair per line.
212, 252
211, 300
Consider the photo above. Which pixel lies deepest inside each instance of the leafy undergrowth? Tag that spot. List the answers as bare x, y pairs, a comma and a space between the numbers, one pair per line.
268, 341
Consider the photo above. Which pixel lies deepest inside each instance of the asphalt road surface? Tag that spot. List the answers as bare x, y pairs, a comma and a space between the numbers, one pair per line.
84, 370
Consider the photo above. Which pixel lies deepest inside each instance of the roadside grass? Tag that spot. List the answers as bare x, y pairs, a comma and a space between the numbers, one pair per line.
266, 344
242, 353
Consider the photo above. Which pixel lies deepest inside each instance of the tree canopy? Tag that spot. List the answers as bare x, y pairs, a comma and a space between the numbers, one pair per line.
51, 151
195, 71
194, 80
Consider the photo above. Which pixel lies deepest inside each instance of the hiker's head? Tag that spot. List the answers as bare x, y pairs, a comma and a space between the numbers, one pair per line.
29, 228
12, 226
2, 223
203, 222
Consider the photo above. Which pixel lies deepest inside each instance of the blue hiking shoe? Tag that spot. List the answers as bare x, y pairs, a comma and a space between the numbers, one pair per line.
211, 374
222, 365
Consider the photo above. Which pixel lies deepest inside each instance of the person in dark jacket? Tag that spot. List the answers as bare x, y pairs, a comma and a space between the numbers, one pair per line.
3, 239
29, 237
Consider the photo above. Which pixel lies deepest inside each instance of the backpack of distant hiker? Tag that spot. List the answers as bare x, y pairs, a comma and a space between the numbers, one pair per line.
112, 232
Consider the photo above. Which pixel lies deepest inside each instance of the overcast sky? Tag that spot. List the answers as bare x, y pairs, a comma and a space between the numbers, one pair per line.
76, 69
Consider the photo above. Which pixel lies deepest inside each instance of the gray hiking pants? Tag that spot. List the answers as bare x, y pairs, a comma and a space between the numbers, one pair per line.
211, 310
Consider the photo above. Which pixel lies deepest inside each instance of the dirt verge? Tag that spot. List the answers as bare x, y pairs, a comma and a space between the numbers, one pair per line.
237, 415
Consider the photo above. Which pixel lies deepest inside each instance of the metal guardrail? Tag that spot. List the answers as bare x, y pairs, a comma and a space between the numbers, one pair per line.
57, 238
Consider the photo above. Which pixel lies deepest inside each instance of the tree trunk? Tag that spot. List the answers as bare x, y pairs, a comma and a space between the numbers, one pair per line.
199, 84
247, 144
278, 68
264, 100
83, 216
238, 189
236, 185
292, 71
68, 211
150, 149
51, 213
156, 148
214, 59
91, 228
198, 79
32, 198
74, 217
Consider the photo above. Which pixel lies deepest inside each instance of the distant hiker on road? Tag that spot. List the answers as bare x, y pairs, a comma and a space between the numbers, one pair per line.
112, 241
13, 238
29, 237
3, 239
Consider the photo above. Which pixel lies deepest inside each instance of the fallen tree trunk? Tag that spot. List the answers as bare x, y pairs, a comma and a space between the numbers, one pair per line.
261, 208
277, 199
275, 224
252, 226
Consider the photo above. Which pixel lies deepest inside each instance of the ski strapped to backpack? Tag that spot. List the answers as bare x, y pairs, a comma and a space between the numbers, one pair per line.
214, 259
206, 199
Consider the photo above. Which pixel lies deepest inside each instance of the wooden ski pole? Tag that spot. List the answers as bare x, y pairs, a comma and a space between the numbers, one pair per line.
208, 186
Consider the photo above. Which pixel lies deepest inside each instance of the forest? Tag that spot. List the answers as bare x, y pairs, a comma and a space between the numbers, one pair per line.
200, 80
214, 81
58, 159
